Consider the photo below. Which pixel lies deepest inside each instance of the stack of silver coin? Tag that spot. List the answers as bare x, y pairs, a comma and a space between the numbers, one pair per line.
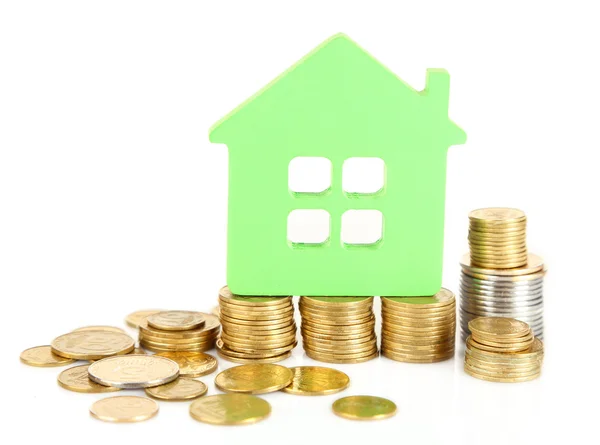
513, 293
499, 277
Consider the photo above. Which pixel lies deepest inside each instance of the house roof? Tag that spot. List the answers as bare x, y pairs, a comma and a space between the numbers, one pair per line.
339, 73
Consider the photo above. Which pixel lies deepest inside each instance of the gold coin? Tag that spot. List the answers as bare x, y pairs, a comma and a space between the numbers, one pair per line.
502, 372
505, 349
225, 354
336, 304
258, 330
268, 338
341, 355
100, 328
316, 381
507, 367
179, 389
211, 325
256, 345
176, 320
340, 343
337, 337
192, 364
177, 341
536, 350
254, 378
230, 409
412, 359
42, 356
258, 315
352, 349
338, 321
364, 408
135, 318
534, 264
92, 345
134, 371
226, 295
278, 323
493, 215
498, 327
157, 349
77, 379
503, 379
253, 355
124, 409
442, 298
346, 360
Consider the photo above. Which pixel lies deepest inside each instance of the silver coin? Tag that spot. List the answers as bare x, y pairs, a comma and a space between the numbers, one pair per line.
507, 314
484, 287
133, 371
495, 303
464, 296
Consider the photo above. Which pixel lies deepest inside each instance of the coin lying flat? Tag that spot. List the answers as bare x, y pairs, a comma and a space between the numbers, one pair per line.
135, 318
176, 320
92, 345
316, 381
192, 364
100, 328
124, 409
179, 389
77, 379
42, 356
230, 409
254, 378
134, 371
364, 408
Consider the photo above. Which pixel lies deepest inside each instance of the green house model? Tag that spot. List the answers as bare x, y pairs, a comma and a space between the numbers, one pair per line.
339, 108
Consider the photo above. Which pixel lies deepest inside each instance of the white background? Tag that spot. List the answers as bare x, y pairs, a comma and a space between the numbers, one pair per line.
113, 200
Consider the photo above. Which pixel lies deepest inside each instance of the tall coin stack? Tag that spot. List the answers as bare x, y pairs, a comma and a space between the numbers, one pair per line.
338, 329
419, 329
499, 277
503, 350
256, 329
197, 338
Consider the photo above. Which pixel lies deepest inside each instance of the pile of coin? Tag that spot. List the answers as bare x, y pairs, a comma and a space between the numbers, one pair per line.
497, 238
504, 280
503, 350
338, 329
256, 329
179, 331
419, 329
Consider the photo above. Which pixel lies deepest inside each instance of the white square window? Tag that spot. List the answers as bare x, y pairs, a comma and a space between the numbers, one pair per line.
363, 175
362, 226
307, 226
309, 174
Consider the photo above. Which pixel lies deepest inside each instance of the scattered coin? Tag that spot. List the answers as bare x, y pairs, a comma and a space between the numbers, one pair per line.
176, 320
77, 379
230, 409
179, 389
136, 318
92, 345
316, 381
42, 356
364, 408
134, 371
100, 328
192, 364
124, 409
502, 350
254, 378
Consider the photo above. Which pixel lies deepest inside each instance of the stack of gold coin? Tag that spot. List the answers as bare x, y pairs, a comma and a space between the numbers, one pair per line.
503, 350
256, 329
338, 329
497, 238
179, 331
419, 329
